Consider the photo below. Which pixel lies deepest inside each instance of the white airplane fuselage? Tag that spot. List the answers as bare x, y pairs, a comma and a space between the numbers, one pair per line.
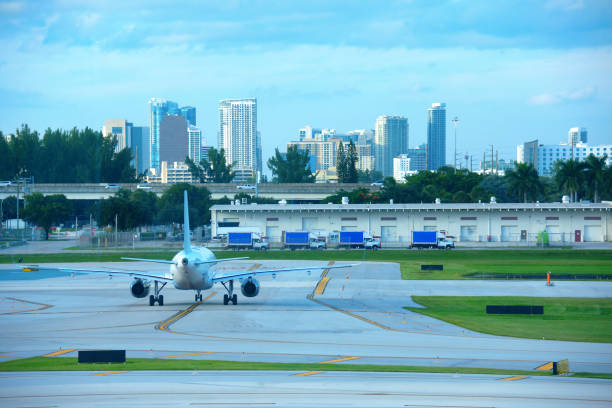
187, 274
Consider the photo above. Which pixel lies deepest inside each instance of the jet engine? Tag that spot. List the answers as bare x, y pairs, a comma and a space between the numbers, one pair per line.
139, 288
250, 287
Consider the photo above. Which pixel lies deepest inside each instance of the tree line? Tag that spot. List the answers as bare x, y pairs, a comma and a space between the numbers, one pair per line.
64, 156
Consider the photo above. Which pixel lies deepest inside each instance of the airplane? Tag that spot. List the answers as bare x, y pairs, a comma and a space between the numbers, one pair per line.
193, 268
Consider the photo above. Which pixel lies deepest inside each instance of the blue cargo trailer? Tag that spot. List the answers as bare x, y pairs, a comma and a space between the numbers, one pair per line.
239, 240
352, 239
297, 239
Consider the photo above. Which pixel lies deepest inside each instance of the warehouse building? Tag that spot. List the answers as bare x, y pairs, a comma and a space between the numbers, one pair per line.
394, 223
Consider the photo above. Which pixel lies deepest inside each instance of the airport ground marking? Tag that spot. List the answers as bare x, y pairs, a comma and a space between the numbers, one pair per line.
516, 377
7, 357
339, 360
356, 316
43, 306
60, 352
545, 367
165, 325
321, 286
188, 355
253, 267
108, 373
307, 374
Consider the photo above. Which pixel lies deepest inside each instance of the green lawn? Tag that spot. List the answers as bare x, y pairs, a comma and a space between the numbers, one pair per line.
570, 319
457, 263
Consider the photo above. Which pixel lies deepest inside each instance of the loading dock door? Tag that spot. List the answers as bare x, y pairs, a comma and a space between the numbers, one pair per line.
509, 233
388, 234
553, 233
468, 233
309, 223
592, 233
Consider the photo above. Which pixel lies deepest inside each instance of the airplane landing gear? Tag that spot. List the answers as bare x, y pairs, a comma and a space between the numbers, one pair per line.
230, 296
198, 297
157, 297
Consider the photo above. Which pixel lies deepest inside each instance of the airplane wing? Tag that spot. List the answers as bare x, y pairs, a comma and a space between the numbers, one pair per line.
214, 261
248, 274
109, 272
163, 261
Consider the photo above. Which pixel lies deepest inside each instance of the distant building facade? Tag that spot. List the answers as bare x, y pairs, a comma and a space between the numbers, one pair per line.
418, 158
194, 135
436, 136
158, 108
391, 140
189, 113
170, 173
120, 130
401, 168
173, 139
140, 148
238, 136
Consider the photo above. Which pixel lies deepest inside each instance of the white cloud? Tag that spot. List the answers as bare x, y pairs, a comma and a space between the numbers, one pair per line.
557, 97
11, 6
565, 5
88, 20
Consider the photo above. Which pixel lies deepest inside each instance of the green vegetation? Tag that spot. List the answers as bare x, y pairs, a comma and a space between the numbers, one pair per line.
139, 364
45, 211
457, 263
292, 168
214, 170
569, 319
158, 364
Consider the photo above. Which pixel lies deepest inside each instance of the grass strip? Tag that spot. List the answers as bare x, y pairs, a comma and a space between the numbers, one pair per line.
569, 319
457, 263
155, 364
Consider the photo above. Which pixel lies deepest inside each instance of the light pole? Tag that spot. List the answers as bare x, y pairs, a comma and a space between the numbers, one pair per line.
455, 121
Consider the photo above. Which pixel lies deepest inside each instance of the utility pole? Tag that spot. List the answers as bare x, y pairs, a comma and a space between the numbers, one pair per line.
116, 233
455, 121
471, 170
484, 163
497, 162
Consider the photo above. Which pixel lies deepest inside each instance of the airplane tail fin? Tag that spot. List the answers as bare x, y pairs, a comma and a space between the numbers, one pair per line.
186, 233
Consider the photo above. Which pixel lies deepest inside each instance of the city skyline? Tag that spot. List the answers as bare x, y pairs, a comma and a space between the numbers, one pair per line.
511, 71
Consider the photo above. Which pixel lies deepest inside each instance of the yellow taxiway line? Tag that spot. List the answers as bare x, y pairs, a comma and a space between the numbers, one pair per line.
7, 357
165, 325
516, 377
339, 360
188, 355
59, 352
307, 374
321, 286
107, 373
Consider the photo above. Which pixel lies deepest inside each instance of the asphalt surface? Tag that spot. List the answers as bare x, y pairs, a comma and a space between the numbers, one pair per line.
357, 319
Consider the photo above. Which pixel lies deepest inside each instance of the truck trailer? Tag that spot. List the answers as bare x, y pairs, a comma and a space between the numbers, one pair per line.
431, 239
302, 239
246, 240
357, 239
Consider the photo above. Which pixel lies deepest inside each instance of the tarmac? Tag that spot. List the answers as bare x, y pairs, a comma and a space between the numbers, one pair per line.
354, 317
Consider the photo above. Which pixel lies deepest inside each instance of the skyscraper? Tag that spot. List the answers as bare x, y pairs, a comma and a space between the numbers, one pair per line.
195, 143
158, 108
173, 140
140, 148
189, 113
390, 140
121, 130
436, 136
238, 135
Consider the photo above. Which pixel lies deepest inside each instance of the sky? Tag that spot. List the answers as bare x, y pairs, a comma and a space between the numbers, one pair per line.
511, 71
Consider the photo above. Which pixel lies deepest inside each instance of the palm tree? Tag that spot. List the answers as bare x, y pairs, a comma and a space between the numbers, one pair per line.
594, 173
524, 181
569, 175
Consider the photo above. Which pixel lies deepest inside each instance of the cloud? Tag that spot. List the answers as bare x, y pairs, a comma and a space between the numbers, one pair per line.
88, 20
563, 96
565, 5
11, 6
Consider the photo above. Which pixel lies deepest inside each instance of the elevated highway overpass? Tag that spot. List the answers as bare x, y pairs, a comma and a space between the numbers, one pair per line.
295, 192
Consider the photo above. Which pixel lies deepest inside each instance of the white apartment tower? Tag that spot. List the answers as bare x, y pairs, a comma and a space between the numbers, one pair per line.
238, 135
194, 135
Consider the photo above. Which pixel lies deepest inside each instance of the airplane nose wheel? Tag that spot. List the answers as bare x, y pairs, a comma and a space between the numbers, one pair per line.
198, 297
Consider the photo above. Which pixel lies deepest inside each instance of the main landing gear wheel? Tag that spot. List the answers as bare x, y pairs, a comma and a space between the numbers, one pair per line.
151, 300
225, 299
229, 296
198, 297
235, 300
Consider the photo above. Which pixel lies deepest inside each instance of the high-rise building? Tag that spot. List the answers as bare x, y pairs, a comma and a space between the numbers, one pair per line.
195, 143
189, 113
418, 158
436, 136
173, 139
121, 130
391, 140
402, 168
238, 136
549, 154
528, 153
140, 148
577, 135
158, 108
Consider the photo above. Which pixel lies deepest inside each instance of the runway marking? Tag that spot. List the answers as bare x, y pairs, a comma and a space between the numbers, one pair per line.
321, 286
252, 268
516, 377
339, 360
545, 367
43, 306
60, 352
107, 373
307, 374
165, 325
188, 355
